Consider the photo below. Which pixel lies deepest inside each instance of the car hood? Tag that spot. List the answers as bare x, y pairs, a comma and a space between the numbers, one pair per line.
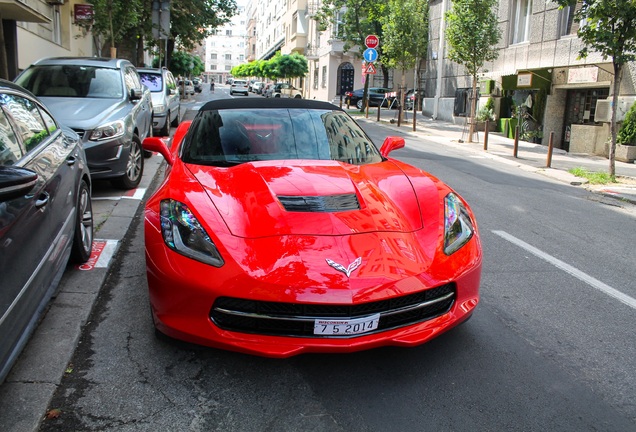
263, 199
85, 113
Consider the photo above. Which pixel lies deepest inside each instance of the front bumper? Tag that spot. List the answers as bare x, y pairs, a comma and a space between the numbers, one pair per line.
108, 158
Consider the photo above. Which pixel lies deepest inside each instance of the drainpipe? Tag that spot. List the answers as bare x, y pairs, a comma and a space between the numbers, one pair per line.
440, 59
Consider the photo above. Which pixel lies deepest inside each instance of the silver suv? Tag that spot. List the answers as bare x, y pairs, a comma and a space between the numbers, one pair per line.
166, 101
104, 101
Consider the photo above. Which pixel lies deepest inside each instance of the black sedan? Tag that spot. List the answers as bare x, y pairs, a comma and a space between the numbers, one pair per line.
45, 213
377, 96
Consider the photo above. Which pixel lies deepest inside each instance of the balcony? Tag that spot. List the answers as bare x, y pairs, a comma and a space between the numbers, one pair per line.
337, 46
311, 52
313, 6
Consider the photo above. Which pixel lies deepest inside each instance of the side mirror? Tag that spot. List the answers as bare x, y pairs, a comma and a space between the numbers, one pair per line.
15, 182
135, 94
156, 144
391, 143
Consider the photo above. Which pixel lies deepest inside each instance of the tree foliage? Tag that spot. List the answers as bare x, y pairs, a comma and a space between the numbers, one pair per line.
472, 32
186, 65
405, 33
280, 66
609, 28
115, 18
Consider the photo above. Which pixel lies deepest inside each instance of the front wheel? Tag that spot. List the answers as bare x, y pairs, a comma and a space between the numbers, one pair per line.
165, 130
83, 236
134, 166
359, 104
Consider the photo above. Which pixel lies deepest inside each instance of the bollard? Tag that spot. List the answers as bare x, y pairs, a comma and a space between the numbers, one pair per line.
414, 111
550, 147
379, 106
516, 146
367, 108
486, 136
340, 101
348, 103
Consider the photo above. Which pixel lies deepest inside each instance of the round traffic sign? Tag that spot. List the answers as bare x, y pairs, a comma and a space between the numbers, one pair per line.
372, 41
370, 55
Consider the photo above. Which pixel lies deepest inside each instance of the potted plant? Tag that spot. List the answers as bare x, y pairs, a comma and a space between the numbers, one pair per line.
626, 137
486, 113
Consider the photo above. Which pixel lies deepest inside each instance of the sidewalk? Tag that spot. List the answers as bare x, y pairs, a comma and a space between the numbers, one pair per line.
530, 157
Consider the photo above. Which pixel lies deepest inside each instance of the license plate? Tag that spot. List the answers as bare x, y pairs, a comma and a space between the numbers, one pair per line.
334, 327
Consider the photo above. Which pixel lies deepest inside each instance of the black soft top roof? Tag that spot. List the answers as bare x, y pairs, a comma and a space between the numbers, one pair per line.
263, 103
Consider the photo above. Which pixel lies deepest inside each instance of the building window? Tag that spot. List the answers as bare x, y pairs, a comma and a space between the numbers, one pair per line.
212, 67
228, 56
213, 56
567, 26
521, 13
228, 67
294, 24
241, 57
338, 31
228, 32
324, 76
316, 79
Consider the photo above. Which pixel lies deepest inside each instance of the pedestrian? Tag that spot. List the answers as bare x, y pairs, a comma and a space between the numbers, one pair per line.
212, 85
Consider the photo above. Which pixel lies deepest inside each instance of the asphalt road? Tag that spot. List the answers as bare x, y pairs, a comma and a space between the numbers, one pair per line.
550, 346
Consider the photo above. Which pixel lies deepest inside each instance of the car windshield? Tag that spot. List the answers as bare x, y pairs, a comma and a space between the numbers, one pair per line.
233, 136
153, 81
73, 81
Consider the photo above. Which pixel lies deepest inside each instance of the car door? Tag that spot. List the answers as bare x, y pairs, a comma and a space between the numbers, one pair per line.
142, 109
172, 94
35, 228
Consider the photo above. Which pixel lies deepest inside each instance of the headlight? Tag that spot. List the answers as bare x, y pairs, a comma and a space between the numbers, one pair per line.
159, 108
183, 233
458, 228
110, 130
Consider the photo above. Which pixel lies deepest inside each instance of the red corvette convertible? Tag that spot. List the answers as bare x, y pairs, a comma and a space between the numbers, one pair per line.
280, 229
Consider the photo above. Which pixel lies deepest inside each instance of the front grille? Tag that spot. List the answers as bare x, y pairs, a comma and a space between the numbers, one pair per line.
80, 132
324, 204
294, 319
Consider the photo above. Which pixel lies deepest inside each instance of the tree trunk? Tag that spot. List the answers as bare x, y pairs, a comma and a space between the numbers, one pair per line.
618, 72
473, 104
4, 67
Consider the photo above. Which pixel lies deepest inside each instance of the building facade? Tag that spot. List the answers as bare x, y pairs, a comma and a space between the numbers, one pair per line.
227, 48
537, 81
33, 29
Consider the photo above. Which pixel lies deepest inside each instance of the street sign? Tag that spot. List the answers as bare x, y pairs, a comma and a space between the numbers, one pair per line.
370, 55
372, 41
370, 69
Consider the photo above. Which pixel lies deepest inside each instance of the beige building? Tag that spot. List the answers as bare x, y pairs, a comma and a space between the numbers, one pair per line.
33, 29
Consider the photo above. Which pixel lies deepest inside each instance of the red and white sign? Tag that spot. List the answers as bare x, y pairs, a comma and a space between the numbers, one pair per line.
372, 41
370, 69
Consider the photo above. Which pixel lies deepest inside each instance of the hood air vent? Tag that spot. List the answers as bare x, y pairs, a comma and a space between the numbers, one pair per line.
320, 204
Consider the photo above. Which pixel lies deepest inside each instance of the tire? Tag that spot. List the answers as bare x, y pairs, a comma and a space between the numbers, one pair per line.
134, 166
165, 130
83, 235
297, 96
359, 104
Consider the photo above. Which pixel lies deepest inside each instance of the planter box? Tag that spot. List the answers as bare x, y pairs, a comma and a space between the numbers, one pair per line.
481, 126
625, 153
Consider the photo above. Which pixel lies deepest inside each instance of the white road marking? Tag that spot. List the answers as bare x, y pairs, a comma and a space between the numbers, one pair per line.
595, 283
107, 254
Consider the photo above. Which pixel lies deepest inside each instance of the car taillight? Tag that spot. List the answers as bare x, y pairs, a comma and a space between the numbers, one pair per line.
349, 94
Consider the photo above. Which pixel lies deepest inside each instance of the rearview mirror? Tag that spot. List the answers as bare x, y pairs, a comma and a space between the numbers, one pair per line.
391, 143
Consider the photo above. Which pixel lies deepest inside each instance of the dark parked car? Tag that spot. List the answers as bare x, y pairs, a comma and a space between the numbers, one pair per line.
376, 97
104, 101
166, 101
45, 213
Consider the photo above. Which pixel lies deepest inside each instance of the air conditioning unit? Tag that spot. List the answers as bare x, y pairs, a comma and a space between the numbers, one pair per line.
603, 111
56, 2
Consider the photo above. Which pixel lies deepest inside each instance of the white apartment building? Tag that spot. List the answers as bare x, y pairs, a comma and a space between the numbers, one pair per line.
227, 48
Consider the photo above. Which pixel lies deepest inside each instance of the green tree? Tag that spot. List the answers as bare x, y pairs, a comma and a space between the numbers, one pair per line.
290, 65
356, 19
114, 19
472, 32
405, 36
609, 28
186, 65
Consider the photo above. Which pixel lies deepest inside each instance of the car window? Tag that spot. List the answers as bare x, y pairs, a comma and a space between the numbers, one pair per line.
10, 151
170, 81
72, 81
26, 116
153, 81
131, 78
220, 137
